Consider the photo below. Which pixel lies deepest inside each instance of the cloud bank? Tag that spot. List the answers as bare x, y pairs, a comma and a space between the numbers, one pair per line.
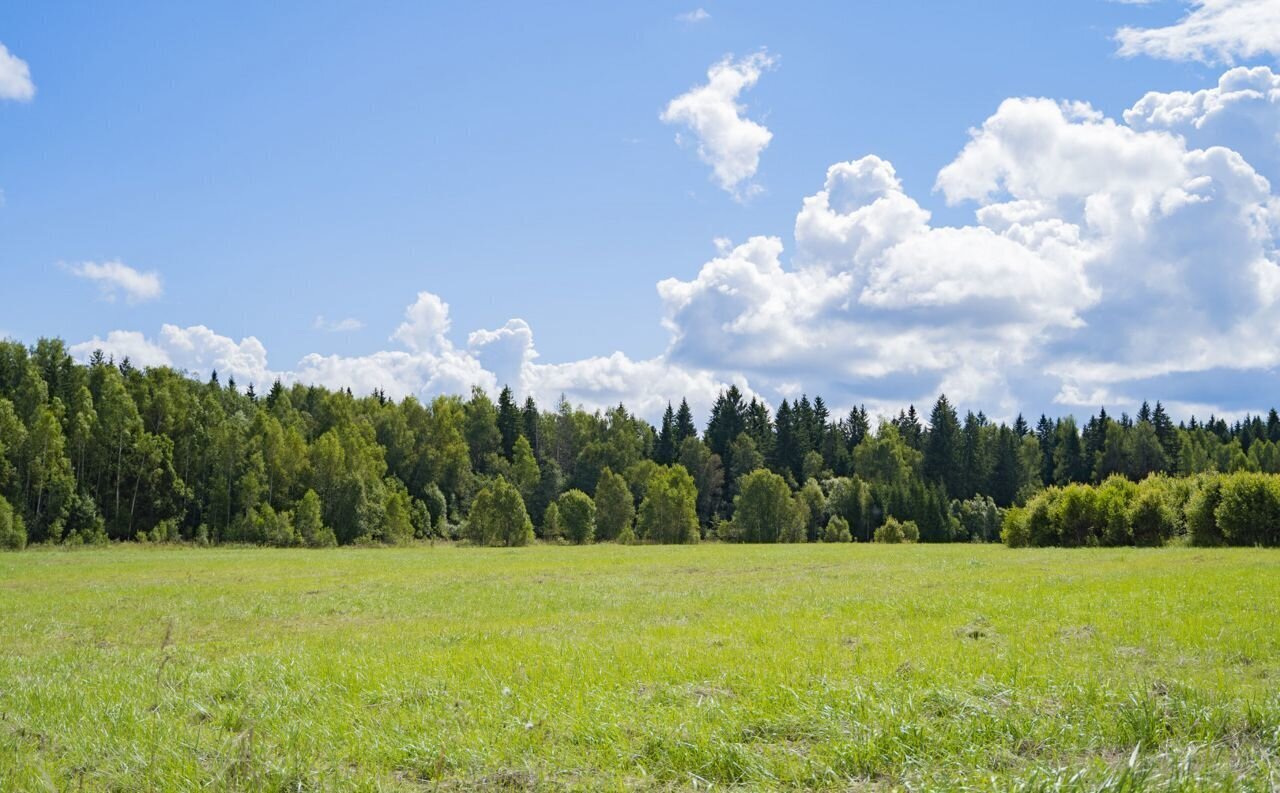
1108, 261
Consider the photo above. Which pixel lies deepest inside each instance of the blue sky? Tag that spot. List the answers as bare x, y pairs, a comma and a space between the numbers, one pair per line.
272, 164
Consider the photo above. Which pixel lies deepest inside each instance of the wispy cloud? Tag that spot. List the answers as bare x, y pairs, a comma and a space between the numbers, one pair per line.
694, 16
116, 278
1214, 31
15, 77
337, 325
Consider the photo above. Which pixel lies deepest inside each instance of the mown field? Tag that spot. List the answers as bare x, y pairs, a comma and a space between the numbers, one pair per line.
611, 668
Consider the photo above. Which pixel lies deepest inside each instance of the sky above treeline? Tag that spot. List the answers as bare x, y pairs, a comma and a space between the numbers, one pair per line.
1032, 207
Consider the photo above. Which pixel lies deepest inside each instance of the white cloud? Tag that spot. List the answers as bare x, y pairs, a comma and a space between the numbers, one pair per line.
1241, 112
15, 77
1106, 261
115, 277
696, 15
425, 324
121, 344
337, 325
728, 141
1214, 31
430, 365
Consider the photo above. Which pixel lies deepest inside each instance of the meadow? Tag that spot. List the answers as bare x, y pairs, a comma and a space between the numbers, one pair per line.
842, 666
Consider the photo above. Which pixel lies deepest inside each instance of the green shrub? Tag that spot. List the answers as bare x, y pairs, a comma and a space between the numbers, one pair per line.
1013, 529
309, 524
577, 516
551, 528
763, 509
1041, 529
1249, 510
837, 530
1075, 517
498, 517
1114, 497
668, 513
978, 519
13, 532
895, 531
1152, 520
1199, 513
615, 507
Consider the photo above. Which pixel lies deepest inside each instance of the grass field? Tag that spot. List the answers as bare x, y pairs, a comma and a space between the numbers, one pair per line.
598, 668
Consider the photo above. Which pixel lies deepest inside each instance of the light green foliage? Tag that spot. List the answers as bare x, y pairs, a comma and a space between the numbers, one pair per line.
577, 516
815, 508
979, 519
525, 473
615, 509
668, 513
850, 499
1249, 510
551, 528
1151, 520
397, 527
837, 530
1202, 521
13, 534
895, 531
706, 477
763, 509
1241, 508
309, 524
498, 517
1014, 531
885, 457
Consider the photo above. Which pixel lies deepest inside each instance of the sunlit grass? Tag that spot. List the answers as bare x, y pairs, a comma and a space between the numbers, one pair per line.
609, 667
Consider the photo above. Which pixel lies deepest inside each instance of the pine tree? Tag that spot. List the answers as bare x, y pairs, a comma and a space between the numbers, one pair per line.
509, 421
684, 425
529, 417
942, 449
664, 451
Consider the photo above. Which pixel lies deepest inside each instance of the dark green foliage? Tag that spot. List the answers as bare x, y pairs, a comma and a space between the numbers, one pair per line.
109, 451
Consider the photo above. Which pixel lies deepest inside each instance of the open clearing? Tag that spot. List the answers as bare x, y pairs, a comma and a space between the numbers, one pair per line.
606, 667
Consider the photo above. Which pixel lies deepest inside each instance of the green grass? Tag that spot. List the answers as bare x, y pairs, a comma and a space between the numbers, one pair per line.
598, 668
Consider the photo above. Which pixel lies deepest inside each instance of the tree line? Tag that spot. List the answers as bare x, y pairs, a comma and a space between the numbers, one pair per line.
108, 451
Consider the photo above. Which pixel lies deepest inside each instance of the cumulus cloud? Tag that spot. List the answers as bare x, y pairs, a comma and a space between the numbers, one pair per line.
1107, 261
728, 141
1241, 112
1214, 31
121, 344
115, 278
696, 15
429, 365
15, 77
337, 325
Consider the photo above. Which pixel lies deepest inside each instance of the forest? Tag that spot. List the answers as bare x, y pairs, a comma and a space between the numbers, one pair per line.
106, 451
